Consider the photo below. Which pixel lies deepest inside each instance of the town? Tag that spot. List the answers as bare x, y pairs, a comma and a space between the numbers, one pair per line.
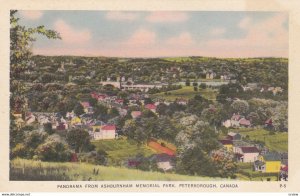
126, 122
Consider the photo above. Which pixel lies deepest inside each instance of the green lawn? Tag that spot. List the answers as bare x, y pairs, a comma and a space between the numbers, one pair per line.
120, 150
22, 169
277, 142
186, 92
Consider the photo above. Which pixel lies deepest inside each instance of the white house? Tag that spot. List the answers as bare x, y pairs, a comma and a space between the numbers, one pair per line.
105, 132
247, 154
164, 161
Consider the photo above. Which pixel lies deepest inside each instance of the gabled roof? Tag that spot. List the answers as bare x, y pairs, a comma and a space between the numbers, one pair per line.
226, 142
150, 106
251, 149
136, 113
85, 104
259, 163
108, 127
244, 121
272, 156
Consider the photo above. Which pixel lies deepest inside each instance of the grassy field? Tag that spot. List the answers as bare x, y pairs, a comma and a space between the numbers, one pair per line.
120, 150
186, 92
277, 142
22, 169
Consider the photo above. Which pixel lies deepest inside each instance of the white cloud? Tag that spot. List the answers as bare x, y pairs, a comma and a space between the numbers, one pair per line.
142, 37
184, 39
71, 35
31, 15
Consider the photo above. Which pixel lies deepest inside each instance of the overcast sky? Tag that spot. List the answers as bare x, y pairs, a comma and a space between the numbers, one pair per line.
157, 34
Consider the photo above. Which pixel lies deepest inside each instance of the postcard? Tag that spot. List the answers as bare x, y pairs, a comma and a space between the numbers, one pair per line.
155, 96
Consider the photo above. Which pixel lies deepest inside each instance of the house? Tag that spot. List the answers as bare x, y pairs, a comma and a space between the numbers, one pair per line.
76, 121
227, 123
151, 107
234, 136
106, 132
237, 121
87, 108
85, 104
164, 161
19, 123
62, 126
136, 114
269, 123
30, 118
247, 154
244, 122
228, 144
70, 115
237, 144
268, 163
122, 111
119, 101
181, 101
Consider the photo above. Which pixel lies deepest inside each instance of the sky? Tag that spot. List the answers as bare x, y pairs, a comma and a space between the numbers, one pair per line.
161, 33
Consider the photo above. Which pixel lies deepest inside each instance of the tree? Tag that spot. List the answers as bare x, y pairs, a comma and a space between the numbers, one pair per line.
48, 128
195, 142
100, 111
79, 140
113, 112
195, 88
187, 82
203, 85
101, 157
148, 101
254, 118
31, 141
224, 163
21, 39
93, 101
53, 149
161, 109
78, 109
240, 106
280, 117
214, 114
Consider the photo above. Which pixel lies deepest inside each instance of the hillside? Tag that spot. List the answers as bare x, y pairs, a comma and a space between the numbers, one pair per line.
22, 169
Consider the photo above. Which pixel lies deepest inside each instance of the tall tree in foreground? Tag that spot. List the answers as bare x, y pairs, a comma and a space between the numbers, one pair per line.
21, 40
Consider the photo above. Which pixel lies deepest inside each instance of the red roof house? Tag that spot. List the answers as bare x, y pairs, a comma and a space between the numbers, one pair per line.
151, 107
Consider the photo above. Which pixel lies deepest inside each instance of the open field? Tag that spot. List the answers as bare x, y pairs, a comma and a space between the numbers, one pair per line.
22, 169
276, 142
186, 92
120, 150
